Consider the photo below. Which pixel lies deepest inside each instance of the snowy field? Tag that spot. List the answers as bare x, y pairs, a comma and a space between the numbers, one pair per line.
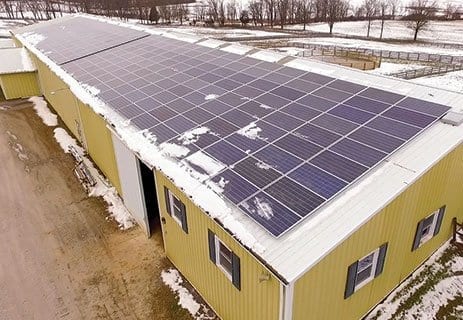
378, 45
222, 32
442, 31
6, 25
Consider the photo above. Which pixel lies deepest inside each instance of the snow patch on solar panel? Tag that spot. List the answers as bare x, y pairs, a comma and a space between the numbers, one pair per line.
92, 90
264, 106
261, 207
33, 38
203, 166
173, 150
263, 165
251, 131
193, 135
211, 97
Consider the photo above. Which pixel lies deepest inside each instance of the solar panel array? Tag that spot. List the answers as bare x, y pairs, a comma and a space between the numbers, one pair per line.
77, 37
289, 140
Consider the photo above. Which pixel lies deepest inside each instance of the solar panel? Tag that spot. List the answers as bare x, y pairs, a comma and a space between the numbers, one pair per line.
289, 140
78, 37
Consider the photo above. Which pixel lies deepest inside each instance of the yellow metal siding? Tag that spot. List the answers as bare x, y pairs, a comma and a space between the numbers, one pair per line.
319, 294
99, 144
19, 85
60, 97
190, 254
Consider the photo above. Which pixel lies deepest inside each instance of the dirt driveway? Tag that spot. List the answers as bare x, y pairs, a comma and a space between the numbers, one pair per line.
59, 257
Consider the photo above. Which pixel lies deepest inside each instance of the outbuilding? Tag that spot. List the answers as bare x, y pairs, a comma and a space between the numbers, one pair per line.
284, 188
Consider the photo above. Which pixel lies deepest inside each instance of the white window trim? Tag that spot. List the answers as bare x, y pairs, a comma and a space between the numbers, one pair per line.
432, 228
173, 206
373, 269
217, 243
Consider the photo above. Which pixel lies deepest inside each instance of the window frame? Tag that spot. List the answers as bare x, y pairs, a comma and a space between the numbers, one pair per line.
431, 228
173, 206
374, 265
177, 212
218, 243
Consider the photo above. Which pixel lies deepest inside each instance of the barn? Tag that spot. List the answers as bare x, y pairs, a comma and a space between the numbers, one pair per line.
284, 188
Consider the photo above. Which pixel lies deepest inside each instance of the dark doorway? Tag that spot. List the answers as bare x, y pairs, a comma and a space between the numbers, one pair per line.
151, 200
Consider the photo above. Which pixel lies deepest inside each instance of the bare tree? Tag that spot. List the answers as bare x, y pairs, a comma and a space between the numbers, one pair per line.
336, 10
370, 9
450, 10
256, 9
420, 13
270, 10
305, 8
394, 5
383, 7
283, 7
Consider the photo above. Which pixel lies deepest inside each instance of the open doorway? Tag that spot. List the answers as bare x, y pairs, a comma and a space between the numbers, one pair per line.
150, 195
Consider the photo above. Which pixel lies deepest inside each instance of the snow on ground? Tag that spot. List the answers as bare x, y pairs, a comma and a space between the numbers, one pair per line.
6, 25
102, 188
174, 281
387, 68
436, 31
378, 45
222, 32
40, 107
434, 288
450, 81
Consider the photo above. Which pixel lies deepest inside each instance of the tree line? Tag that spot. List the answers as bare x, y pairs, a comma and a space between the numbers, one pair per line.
258, 13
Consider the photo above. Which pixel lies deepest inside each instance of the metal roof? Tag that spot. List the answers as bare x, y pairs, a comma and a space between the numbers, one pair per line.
15, 60
295, 252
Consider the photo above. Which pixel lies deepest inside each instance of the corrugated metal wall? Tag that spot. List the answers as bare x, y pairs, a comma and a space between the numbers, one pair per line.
19, 85
88, 127
319, 294
190, 254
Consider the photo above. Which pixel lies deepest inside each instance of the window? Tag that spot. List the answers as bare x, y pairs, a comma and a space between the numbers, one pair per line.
428, 228
176, 208
364, 270
227, 261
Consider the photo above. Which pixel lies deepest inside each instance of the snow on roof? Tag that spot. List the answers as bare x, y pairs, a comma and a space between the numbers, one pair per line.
301, 248
6, 43
15, 60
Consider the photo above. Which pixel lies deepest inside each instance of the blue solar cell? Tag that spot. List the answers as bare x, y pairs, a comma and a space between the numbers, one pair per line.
228, 84
162, 133
278, 158
195, 98
271, 100
130, 111
410, 117
433, 109
225, 152
339, 166
283, 121
358, 152
198, 115
237, 117
270, 214
299, 111
144, 121
248, 92
269, 132
381, 95
296, 197
180, 124
256, 172
392, 127
317, 135
163, 113
242, 77
376, 139
334, 124
317, 78
297, 146
276, 77
351, 114
235, 188
206, 140
256, 109
232, 99
302, 85
317, 180
367, 104
216, 107
346, 86
180, 90
212, 90
148, 104
221, 127
180, 105
164, 96
263, 84
316, 103
244, 143
288, 93
332, 94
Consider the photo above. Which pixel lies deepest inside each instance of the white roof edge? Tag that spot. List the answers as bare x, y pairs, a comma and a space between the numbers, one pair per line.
285, 260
